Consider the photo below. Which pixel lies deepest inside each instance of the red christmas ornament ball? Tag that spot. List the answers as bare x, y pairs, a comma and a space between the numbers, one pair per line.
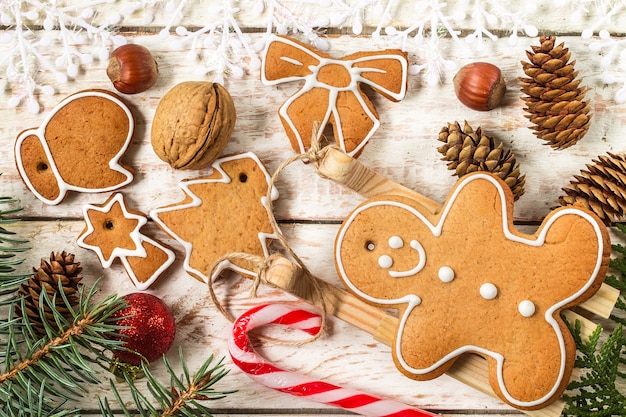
150, 328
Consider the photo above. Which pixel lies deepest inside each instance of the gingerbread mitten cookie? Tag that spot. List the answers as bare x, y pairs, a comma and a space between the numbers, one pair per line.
332, 90
113, 232
78, 147
222, 213
465, 280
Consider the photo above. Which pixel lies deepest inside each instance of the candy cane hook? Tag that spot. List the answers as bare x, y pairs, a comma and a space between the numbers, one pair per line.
265, 373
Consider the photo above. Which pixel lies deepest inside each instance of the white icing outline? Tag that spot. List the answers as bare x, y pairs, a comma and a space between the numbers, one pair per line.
196, 202
64, 187
310, 82
436, 230
122, 253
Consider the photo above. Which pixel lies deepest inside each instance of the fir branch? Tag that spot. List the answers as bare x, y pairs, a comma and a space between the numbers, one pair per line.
10, 245
52, 367
181, 398
596, 393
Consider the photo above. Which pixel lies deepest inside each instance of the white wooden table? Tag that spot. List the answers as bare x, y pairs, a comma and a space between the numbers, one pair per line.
310, 208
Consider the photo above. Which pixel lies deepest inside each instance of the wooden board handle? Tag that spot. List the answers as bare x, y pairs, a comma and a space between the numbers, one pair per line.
348, 171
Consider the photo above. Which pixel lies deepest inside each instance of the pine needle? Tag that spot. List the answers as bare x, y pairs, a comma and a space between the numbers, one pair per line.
596, 392
181, 398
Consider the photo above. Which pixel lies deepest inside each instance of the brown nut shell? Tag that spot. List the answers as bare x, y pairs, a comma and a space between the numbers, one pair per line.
480, 86
132, 69
193, 124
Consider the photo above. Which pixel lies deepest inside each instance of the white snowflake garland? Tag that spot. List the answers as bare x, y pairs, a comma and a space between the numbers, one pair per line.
60, 38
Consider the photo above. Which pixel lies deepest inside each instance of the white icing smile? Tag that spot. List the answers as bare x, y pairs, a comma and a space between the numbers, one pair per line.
386, 261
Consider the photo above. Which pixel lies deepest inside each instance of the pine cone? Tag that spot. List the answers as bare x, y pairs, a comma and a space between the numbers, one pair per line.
60, 273
468, 151
601, 188
554, 100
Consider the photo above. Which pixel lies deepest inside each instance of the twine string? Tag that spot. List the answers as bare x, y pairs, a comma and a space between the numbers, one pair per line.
307, 286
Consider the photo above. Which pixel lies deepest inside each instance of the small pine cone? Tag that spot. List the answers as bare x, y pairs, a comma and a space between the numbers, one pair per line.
60, 273
468, 151
554, 100
601, 188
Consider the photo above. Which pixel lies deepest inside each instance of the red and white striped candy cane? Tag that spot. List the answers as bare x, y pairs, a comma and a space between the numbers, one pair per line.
265, 373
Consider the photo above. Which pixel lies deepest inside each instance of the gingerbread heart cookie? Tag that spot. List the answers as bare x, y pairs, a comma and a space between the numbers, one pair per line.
222, 213
465, 280
78, 147
332, 90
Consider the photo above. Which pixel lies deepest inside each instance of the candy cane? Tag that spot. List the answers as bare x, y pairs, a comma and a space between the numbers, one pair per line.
265, 373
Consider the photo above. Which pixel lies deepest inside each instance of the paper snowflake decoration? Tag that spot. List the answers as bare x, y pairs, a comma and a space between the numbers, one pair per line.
66, 28
436, 19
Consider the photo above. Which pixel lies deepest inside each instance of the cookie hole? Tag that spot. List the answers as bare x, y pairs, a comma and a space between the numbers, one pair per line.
243, 177
370, 246
42, 167
109, 224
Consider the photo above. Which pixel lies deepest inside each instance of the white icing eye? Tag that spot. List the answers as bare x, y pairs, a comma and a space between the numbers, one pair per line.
526, 308
385, 261
488, 291
446, 274
396, 242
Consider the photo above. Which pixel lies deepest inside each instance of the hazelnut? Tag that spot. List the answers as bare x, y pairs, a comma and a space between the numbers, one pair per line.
132, 69
480, 86
192, 124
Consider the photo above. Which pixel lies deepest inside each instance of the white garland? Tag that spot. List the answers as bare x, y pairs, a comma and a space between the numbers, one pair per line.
65, 29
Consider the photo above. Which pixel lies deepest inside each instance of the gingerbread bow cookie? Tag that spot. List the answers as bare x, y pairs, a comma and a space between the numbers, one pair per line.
113, 232
78, 147
465, 280
222, 213
331, 93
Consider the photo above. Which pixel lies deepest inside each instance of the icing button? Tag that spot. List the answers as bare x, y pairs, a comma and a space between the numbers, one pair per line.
488, 291
385, 261
446, 274
526, 308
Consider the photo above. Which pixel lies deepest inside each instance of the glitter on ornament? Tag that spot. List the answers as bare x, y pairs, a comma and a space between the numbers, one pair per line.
149, 331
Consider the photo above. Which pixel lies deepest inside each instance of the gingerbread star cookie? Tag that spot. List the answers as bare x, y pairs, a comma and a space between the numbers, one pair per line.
222, 213
113, 232
332, 90
465, 280
78, 147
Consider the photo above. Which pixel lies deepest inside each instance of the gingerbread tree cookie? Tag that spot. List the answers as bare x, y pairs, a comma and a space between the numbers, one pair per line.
332, 91
222, 213
465, 280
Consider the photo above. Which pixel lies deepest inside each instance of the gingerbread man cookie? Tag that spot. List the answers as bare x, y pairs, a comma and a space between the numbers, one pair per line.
78, 147
332, 90
465, 280
113, 232
222, 213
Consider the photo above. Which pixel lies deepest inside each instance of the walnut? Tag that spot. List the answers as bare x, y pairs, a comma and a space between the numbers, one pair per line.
192, 124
